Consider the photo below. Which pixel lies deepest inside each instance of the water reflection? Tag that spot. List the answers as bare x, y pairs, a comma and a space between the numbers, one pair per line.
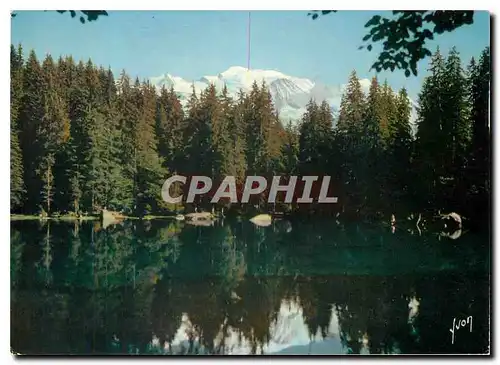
164, 287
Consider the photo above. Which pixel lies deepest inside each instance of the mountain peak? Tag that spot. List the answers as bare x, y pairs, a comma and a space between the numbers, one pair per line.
290, 94
234, 70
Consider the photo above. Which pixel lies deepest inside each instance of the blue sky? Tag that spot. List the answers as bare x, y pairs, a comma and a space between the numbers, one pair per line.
192, 44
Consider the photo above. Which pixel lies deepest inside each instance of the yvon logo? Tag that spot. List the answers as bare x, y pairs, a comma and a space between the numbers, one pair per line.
306, 190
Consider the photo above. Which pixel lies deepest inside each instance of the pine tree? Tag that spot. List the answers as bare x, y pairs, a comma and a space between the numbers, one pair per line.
210, 132
149, 171
401, 129
372, 169
17, 188
480, 80
74, 166
255, 132
53, 130
224, 137
374, 113
388, 113
31, 114
325, 134
352, 106
47, 177
430, 155
128, 114
398, 153
67, 71
66, 76
309, 141
352, 148
170, 129
478, 169
93, 141
456, 122
290, 150
275, 132
196, 136
114, 196
237, 125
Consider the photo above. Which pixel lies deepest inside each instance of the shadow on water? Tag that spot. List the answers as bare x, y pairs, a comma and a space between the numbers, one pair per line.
162, 287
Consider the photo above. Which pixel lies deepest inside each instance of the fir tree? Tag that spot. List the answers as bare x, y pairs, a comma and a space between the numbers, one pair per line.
170, 129
479, 81
353, 149
31, 114
290, 150
456, 122
236, 128
478, 169
149, 171
374, 113
17, 188
430, 155
398, 153
309, 140
224, 139
352, 106
388, 113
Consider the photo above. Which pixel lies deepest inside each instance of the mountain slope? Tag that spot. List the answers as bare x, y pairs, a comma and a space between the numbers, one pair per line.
290, 94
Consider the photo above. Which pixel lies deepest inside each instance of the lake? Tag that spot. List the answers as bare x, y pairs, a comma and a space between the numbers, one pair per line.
315, 287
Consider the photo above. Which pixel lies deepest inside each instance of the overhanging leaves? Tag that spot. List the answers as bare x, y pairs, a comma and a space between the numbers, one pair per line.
404, 35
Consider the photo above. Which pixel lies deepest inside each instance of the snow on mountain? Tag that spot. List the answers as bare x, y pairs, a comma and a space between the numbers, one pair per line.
290, 94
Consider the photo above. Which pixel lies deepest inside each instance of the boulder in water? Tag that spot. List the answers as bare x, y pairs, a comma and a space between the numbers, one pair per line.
109, 218
262, 220
452, 220
201, 222
199, 216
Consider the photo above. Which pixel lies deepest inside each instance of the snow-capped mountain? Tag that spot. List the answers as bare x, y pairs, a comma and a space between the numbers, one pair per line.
290, 94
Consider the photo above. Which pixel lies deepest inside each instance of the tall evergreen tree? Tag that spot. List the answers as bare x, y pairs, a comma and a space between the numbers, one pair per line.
374, 113
290, 150
196, 135
236, 127
31, 114
53, 134
352, 151
352, 106
388, 113
224, 139
479, 81
150, 172
478, 169
429, 154
314, 141
399, 152
170, 129
17, 188
456, 122
372, 168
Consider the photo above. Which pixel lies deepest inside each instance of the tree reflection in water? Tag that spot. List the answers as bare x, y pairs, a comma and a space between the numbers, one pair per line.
169, 288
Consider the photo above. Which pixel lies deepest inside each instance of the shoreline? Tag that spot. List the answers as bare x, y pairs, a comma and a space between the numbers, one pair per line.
24, 217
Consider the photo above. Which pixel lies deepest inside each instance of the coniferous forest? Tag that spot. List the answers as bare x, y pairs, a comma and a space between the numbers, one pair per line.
83, 139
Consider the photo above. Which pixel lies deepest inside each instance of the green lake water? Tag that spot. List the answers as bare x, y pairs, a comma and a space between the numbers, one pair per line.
318, 287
